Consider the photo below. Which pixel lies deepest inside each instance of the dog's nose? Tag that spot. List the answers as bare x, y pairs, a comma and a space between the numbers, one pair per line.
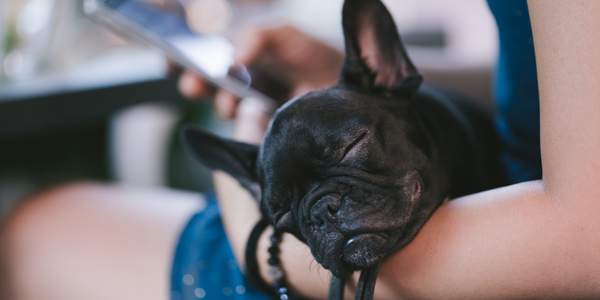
324, 210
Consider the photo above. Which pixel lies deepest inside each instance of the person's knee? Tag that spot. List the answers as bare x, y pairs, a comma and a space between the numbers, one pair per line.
39, 213
91, 236
33, 222
25, 236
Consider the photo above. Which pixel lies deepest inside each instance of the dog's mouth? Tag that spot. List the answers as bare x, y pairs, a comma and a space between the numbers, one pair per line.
342, 255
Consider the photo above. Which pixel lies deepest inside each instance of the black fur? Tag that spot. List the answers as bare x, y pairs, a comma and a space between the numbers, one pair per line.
356, 169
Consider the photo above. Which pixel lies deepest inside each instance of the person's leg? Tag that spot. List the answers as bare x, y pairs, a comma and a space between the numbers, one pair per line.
94, 241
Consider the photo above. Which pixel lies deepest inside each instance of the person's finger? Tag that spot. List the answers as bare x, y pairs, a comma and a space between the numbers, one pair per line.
192, 86
250, 45
225, 104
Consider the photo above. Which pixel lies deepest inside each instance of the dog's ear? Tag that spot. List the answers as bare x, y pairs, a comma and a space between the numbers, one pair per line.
237, 159
375, 57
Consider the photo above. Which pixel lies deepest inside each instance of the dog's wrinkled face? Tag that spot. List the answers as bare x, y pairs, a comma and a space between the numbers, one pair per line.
344, 170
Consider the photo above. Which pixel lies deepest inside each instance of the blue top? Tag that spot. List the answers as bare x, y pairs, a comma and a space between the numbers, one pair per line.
516, 92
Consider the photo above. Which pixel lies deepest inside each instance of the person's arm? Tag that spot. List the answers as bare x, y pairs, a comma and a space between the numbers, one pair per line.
537, 239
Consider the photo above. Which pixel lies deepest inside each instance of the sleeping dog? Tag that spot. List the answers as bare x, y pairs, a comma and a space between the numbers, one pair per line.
355, 170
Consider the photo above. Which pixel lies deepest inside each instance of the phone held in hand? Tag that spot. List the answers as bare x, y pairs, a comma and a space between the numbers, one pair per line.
208, 55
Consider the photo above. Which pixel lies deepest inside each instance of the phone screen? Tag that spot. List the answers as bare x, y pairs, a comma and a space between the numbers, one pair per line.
211, 56
161, 23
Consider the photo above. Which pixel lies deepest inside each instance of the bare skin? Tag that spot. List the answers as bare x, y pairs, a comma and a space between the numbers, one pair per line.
93, 241
530, 240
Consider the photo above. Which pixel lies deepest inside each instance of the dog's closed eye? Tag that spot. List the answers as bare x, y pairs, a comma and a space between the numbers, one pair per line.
352, 150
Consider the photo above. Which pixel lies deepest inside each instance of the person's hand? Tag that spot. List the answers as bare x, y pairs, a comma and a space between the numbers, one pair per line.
301, 61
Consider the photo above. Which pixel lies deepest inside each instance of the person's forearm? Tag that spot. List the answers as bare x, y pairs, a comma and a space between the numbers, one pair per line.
508, 243
239, 213
239, 210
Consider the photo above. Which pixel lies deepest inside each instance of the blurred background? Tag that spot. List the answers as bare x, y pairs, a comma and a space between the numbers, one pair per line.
78, 102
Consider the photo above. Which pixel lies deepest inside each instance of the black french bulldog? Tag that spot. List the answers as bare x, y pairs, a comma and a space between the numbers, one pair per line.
355, 170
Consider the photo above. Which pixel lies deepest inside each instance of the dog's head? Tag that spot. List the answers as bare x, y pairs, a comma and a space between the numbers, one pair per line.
346, 169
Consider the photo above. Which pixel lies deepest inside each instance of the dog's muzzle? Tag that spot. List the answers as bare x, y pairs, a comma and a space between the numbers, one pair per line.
337, 227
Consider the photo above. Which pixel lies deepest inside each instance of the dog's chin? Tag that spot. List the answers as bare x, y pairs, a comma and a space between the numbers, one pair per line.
330, 256
364, 251
338, 268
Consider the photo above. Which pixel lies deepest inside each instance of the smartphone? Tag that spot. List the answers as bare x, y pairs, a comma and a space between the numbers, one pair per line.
210, 56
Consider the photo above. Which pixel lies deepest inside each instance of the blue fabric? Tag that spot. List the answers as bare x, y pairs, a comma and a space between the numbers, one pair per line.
204, 266
516, 90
